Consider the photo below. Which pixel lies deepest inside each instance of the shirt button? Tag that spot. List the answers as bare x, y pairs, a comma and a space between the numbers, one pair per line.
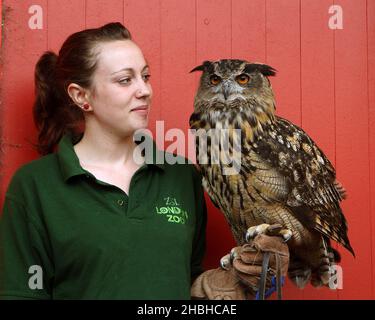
120, 202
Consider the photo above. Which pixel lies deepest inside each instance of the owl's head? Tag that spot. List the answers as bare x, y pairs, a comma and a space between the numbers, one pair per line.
228, 81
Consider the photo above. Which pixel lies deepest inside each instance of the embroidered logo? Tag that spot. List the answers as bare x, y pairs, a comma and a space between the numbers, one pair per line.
172, 211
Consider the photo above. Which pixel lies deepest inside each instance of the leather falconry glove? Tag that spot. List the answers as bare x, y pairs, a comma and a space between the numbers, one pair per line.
254, 270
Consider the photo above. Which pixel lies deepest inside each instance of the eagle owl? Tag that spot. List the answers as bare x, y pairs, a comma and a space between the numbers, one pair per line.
282, 177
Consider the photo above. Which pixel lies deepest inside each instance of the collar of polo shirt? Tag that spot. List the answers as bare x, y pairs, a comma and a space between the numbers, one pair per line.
69, 162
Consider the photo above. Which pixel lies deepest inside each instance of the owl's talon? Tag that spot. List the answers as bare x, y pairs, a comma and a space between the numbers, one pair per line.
270, 230
286, 234
252, 232
233, 254
274, 229
225, 262
300, 277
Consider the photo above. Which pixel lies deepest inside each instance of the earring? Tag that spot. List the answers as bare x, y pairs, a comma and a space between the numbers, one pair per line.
85, 106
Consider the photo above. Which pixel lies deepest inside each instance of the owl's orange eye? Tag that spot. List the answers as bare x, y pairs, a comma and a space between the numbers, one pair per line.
243, 78
215, 80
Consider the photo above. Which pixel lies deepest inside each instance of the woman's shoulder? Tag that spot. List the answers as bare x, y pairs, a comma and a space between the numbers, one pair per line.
41, 165
27, 173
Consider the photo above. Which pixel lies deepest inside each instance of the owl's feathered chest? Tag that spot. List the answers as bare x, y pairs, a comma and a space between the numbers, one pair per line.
227, 129
229, 139
278, 160
273, 139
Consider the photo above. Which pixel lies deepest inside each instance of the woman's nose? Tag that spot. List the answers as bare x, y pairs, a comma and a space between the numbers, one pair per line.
144, 89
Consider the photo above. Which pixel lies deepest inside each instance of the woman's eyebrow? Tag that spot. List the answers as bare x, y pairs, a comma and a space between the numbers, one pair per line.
129, 69
123, 69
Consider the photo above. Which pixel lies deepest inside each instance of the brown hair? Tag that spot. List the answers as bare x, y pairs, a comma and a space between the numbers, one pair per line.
54, 112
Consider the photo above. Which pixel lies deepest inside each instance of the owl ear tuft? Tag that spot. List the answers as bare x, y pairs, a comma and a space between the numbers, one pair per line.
264, 69
203, 67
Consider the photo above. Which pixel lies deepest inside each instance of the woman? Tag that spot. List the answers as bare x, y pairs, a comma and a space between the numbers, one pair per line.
90, 221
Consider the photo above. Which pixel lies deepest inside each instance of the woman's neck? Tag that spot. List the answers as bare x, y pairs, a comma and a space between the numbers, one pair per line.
105, 150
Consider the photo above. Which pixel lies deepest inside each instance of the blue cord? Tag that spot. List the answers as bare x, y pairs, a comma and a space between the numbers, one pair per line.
272, 289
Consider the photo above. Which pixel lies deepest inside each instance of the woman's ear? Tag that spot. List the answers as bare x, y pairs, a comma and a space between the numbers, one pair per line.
78, 94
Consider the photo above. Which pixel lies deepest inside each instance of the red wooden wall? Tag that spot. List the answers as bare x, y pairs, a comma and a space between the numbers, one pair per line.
325, 83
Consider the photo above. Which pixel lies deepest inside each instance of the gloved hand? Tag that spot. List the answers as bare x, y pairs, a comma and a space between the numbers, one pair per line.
240, 274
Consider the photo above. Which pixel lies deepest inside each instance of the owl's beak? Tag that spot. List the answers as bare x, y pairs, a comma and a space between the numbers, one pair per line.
226, 90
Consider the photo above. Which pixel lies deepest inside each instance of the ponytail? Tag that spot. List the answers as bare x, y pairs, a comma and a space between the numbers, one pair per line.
49, 116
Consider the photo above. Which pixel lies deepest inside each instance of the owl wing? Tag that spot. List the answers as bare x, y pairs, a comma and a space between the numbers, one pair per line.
313, 194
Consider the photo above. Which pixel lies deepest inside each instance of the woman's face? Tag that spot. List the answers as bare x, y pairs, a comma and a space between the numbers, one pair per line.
121, 94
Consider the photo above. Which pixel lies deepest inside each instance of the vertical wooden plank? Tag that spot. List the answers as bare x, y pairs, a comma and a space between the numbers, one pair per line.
100, 12
371, 108
1, 23
352, 145
142, 18
59, 12
317, 90
283, 53
177, 59
214, 36
21, 49
248, 30
317, 74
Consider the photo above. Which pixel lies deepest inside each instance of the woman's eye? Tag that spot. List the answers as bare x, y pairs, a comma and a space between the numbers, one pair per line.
146, 77
215, 80
243, 79
124, 81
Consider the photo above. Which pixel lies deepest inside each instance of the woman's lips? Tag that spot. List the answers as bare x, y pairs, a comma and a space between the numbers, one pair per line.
140, 110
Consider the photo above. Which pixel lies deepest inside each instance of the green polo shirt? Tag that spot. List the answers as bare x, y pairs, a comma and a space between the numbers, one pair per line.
66, 235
